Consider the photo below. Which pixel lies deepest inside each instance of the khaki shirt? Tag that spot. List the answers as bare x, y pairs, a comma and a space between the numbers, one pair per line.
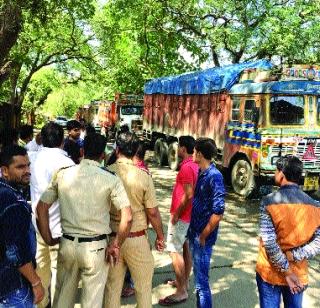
85, 194
140, 190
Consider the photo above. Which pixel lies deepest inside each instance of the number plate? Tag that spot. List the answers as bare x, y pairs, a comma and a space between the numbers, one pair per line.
311, 182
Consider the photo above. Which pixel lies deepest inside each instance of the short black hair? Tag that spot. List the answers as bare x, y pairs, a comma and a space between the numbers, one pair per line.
188, 142
207, 147
73, 124
94, 145
141, 150
73, 150
127, 144
26, 131
9, 136
291, 166
8, 152
52, 135
90, 129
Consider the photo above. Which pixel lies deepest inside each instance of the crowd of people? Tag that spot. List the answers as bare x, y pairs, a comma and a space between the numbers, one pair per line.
90, 212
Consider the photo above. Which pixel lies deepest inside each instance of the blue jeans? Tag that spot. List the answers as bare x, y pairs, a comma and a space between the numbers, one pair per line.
270, 295
201, 266
20, 298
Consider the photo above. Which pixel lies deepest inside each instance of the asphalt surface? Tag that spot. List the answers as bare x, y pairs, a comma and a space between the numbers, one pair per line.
232, 274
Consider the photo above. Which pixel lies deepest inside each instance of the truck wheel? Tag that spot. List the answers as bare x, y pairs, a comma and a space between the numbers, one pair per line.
173, 159
242, 178
161, 152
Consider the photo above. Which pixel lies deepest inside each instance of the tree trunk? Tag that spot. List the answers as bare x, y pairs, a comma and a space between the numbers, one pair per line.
10, 27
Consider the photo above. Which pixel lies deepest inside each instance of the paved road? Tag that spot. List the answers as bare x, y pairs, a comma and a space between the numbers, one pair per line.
232, 275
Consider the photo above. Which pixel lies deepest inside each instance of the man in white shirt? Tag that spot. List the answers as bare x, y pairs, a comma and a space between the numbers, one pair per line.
44, 164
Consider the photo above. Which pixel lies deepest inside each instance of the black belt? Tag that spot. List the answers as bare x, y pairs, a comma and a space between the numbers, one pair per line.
86, 239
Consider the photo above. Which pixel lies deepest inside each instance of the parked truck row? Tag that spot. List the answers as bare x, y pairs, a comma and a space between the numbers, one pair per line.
110, 115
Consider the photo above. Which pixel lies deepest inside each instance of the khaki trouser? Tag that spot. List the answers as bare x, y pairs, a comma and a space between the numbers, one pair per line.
85, 261
135, 254
46, 258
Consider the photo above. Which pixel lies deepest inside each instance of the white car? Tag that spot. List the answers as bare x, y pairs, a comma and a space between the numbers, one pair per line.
61, 120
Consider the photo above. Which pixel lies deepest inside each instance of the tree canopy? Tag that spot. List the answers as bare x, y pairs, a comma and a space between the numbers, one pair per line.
95, 48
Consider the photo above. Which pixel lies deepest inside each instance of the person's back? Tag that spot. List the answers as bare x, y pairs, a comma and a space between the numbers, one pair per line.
44, 164
138, 191
135, 254
295, 216
80, 214
290, 235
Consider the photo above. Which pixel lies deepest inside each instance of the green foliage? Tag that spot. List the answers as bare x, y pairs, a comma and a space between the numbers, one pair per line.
70, 52
66, 99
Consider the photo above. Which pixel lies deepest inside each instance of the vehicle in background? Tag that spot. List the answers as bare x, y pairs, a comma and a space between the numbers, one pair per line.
255, 112
61, 120
130, 111
125, 109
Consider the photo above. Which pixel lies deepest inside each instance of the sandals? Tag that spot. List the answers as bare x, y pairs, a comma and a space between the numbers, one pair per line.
171, 301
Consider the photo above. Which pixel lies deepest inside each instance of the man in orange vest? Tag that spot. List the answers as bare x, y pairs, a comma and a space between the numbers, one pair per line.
290, 235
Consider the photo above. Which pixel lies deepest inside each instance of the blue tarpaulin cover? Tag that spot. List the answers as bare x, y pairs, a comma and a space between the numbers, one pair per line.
203, 82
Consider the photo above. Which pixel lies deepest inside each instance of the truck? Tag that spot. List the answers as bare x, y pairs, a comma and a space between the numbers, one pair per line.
129, 111
254, 111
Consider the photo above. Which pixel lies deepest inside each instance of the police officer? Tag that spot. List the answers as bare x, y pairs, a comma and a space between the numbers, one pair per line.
85, 193
135, 253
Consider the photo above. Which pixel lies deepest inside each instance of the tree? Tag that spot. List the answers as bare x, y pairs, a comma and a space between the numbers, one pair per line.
138, 42
147, 39
57, 41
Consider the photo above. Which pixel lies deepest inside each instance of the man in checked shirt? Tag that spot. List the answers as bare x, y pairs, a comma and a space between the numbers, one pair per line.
290, 235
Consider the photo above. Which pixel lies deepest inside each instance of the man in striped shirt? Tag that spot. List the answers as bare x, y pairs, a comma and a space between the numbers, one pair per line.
290, 235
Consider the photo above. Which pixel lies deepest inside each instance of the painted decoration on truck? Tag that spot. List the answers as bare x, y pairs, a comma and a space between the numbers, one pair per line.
243, 134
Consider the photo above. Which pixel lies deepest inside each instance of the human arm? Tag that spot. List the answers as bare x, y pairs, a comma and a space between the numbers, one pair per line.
30, 274
18, 246
153, 214
307, 251
217, 207
269, 238
154, 218
185, 200
43, 223
211, 225
121, 203
47, 199
123, 231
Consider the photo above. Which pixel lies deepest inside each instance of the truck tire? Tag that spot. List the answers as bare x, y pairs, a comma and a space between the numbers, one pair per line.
161, 152
242, 178
173, 159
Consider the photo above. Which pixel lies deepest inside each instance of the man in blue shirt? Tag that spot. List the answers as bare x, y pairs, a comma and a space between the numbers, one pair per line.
20, 286
207, 211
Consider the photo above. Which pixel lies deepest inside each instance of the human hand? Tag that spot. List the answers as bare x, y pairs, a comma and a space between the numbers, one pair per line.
113, 254
202, 240
54, 241
159, 244
293, 283
38, 293
289, 256
174, 218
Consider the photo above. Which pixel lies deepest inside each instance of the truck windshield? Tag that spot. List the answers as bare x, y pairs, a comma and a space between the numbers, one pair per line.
287, 110
128, 110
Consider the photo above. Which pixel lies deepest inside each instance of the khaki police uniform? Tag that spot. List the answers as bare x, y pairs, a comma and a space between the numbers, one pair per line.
135, 252
85, 194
